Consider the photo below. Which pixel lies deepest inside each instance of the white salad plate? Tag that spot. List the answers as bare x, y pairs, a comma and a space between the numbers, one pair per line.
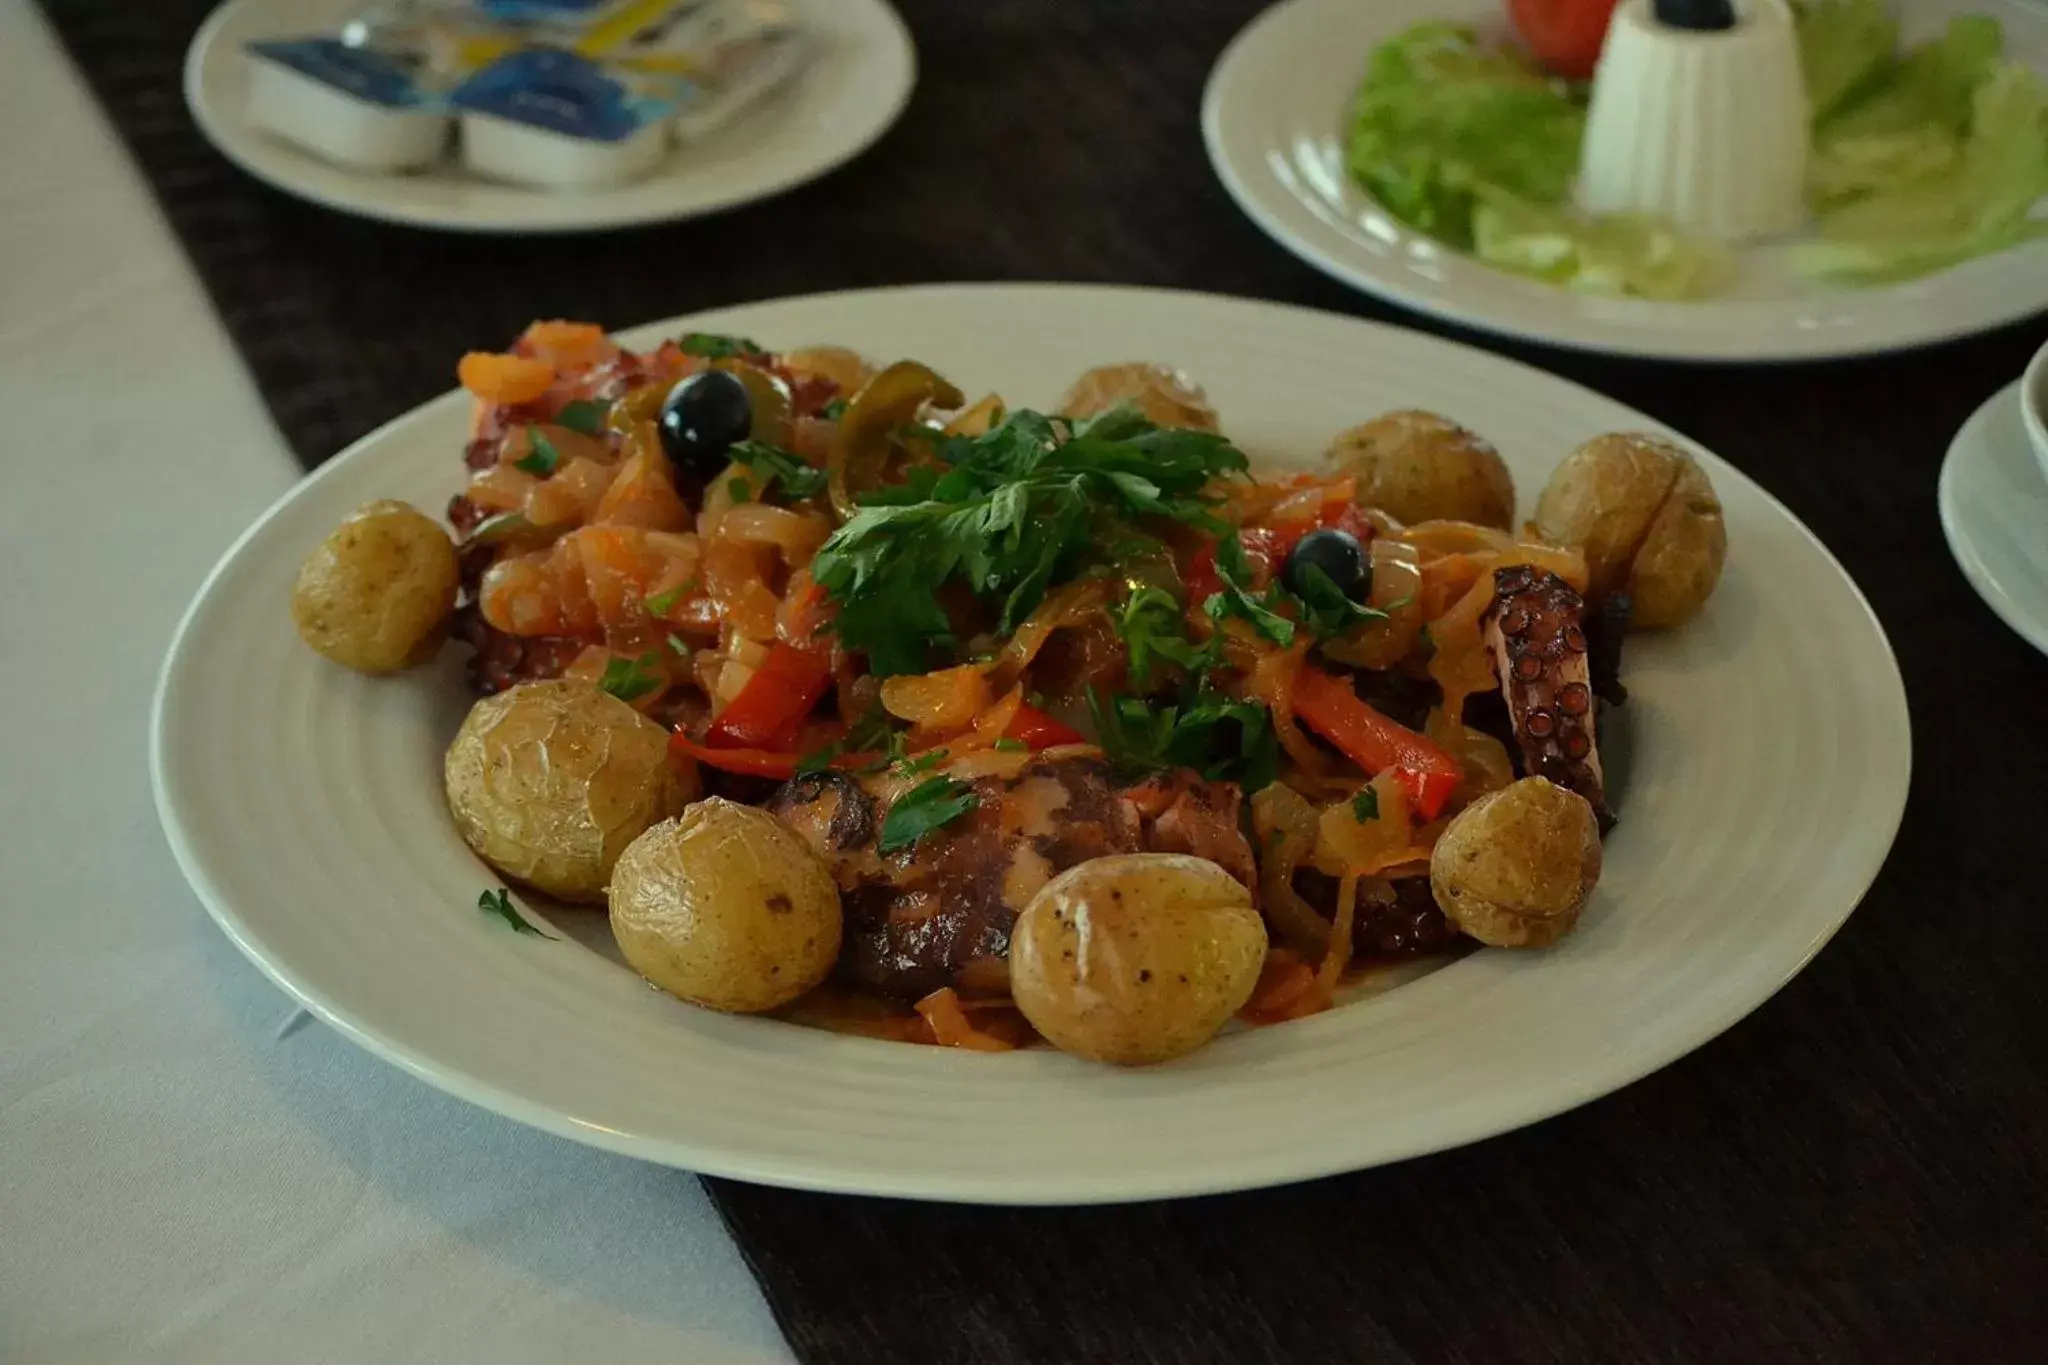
848, 96
1994, 511
1273, 119
1759, 770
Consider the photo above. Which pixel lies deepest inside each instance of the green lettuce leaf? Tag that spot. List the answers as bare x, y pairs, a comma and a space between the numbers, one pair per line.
1616, 254
1982, 204
1843, 46
1438, 117
1846, 168
1930, 88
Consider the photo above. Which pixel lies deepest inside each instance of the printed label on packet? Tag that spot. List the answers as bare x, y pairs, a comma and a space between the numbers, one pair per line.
565, 93
372, 76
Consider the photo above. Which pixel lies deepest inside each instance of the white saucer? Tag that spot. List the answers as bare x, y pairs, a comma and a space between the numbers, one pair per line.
1994, 510
846, 99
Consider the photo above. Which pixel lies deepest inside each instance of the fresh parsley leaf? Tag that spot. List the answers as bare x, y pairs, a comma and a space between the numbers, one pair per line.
717, 346
1009, 514
1326, 611
1209, 732
924, 808
631, 679
1153, 629
1008, 745
1235, 598
871, 733
776, 466
833, 410
584, 416
1135, 733
544, 459
1366, 805
499, 903
923, 763
1227, 740
740, 489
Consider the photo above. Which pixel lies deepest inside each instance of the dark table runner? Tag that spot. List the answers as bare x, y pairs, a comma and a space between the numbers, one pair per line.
1857, 1172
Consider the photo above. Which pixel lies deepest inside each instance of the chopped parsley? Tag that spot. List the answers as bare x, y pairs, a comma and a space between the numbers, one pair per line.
740, 489
1235, 597
1326, 611
1008, 745
1366, 805
678, 646
775, 466
631, 679
833, 410
499, 903
661, 603
543, 459
872, 733
1008, 514
717, 346
924, 808
1153, 629
585, 416
1209, 732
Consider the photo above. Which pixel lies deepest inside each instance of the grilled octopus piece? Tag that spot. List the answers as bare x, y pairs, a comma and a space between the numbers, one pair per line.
1535, 630
940, 912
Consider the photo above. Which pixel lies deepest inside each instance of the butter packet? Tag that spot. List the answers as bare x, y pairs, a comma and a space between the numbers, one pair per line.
560, 120
356, 106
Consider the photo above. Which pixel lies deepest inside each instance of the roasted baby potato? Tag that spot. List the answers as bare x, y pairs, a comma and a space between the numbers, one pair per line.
375, 595
1647, 519
549, 782
726, 907
1418, 466
1514, 868
1137, 957
1165, 396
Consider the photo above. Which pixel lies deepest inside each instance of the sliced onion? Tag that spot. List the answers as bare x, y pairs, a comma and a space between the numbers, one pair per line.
1286, 828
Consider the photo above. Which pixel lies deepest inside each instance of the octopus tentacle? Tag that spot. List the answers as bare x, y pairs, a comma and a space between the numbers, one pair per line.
1535, 630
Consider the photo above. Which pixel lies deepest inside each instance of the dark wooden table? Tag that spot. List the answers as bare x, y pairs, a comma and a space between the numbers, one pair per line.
1858, 1172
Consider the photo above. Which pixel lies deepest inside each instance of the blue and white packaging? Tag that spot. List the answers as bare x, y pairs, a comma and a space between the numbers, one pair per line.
355, 106
560, 120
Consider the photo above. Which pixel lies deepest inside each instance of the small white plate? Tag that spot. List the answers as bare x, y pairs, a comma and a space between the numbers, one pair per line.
1763, 779
1273, 120
846, 99
1994, 511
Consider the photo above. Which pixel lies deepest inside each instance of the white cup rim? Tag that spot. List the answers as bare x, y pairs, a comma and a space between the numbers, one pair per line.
2034, 405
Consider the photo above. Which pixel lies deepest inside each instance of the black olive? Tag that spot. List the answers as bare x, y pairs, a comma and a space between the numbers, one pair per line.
701, 418
1338, 554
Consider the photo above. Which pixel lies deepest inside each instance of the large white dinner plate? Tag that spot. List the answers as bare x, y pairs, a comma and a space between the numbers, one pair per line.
1273, 120
1764, 780
846, 99
1994, 511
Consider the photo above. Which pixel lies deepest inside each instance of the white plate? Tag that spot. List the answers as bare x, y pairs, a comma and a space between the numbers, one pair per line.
846, 99
1273, 117
1767, 777
1994, 511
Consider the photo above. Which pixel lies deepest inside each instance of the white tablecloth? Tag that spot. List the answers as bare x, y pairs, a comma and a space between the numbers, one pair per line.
189, 1170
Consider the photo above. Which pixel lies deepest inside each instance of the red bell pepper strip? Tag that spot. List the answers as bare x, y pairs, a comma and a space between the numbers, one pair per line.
746, 762
774, 702
1326, 704
1203, 582
1039, 730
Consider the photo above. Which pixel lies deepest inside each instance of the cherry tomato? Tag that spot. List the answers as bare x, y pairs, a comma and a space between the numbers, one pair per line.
1565, 35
